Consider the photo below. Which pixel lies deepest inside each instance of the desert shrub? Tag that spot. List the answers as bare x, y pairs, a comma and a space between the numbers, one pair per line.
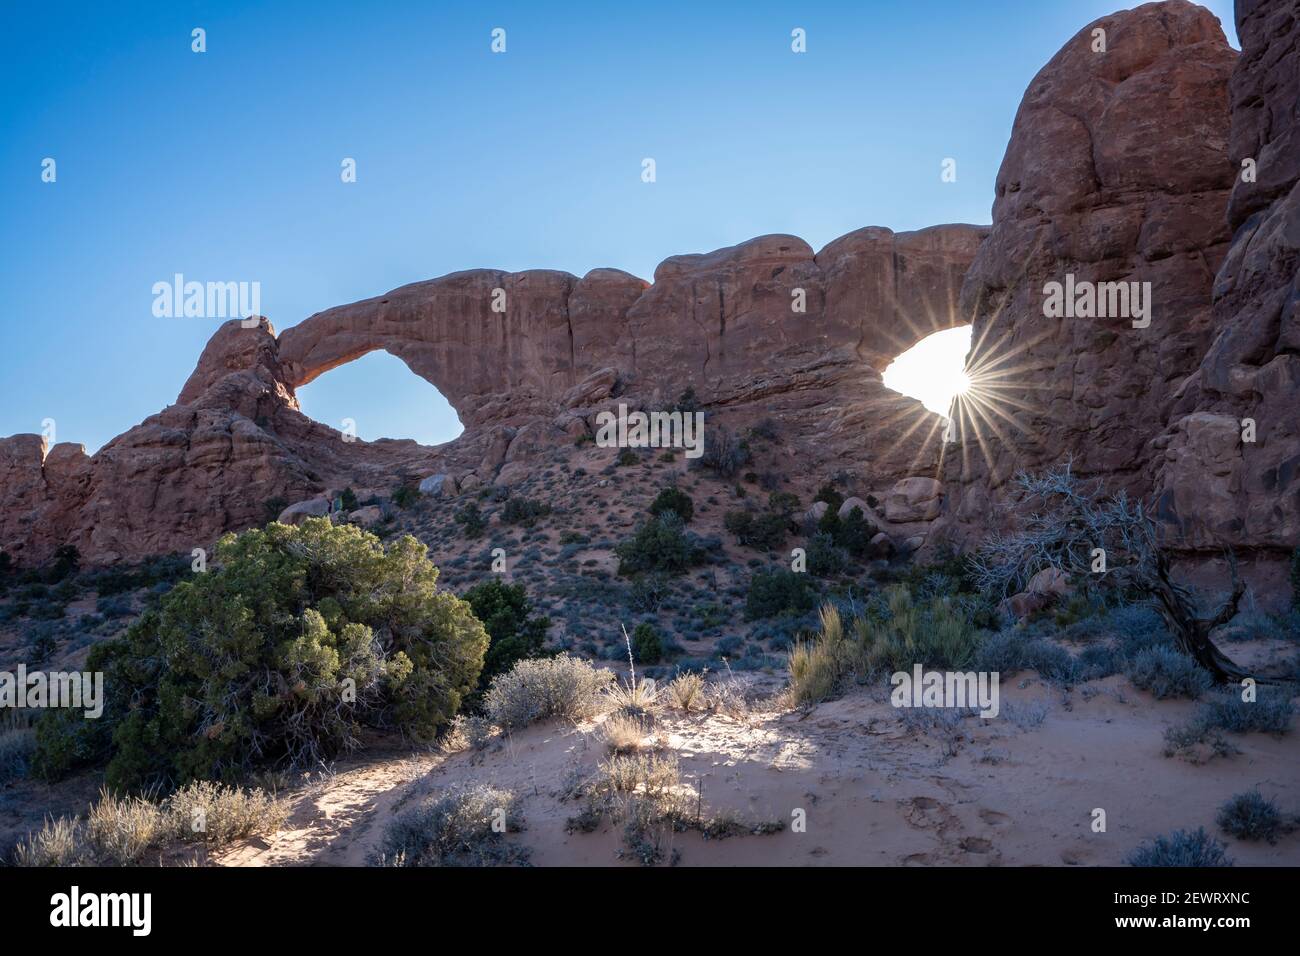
674, 500
17, 744
723, 452
405, 496
816, 669
646, 643
933, 633
819, 665
1256, 626
1097, 661
272, 508
1013, 650
825, 559
348, 500
829, 494
524, 511
659, 544
456, 829
121, 830
165, 569
65, 562
1181, 848
648, 591
1249, 816
217, 815
1196, 742
513, 634
686, 691
57, 843
624, 733
1165, 672
1269, 713
294, 639
764, 530
776, 592
116, 606
644, 793
536, 690
471, 520
687, 401
853, 533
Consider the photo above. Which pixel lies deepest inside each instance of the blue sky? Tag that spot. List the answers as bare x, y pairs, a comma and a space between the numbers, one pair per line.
225, 165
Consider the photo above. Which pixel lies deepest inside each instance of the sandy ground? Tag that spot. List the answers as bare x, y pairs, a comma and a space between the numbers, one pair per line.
1016, 790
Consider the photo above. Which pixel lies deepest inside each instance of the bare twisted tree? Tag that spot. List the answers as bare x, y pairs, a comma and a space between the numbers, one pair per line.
1064, 521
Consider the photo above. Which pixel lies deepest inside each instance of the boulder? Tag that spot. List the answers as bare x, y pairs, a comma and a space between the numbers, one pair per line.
914, 499
311, 508
881, 547
443, 485
366, 517
1044, 589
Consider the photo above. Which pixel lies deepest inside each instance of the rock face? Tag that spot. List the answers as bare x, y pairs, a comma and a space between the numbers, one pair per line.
765, 328
1216, 485
1116, 172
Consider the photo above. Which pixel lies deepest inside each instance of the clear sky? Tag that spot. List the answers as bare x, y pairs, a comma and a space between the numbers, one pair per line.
225, 165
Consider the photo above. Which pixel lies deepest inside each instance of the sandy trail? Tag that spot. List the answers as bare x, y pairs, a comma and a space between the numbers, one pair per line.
1014, 791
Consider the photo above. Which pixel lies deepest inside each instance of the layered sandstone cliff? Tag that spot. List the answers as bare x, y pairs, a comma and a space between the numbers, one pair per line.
765, 329
1228, 465
1116, 172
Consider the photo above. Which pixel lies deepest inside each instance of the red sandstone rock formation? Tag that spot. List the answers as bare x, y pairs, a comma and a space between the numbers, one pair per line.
525, 377
1116, 171
1214, 486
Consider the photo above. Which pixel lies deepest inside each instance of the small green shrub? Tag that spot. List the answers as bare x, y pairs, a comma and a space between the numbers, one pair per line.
513, 634
646, 643
659, 544
524, 511
776, 592
1269, 713
17, 744
829, 494
405, 496
933, 633
825, 559
471, 520
674, 500
764, 531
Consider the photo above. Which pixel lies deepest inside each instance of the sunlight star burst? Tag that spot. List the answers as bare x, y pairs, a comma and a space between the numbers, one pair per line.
934, 370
